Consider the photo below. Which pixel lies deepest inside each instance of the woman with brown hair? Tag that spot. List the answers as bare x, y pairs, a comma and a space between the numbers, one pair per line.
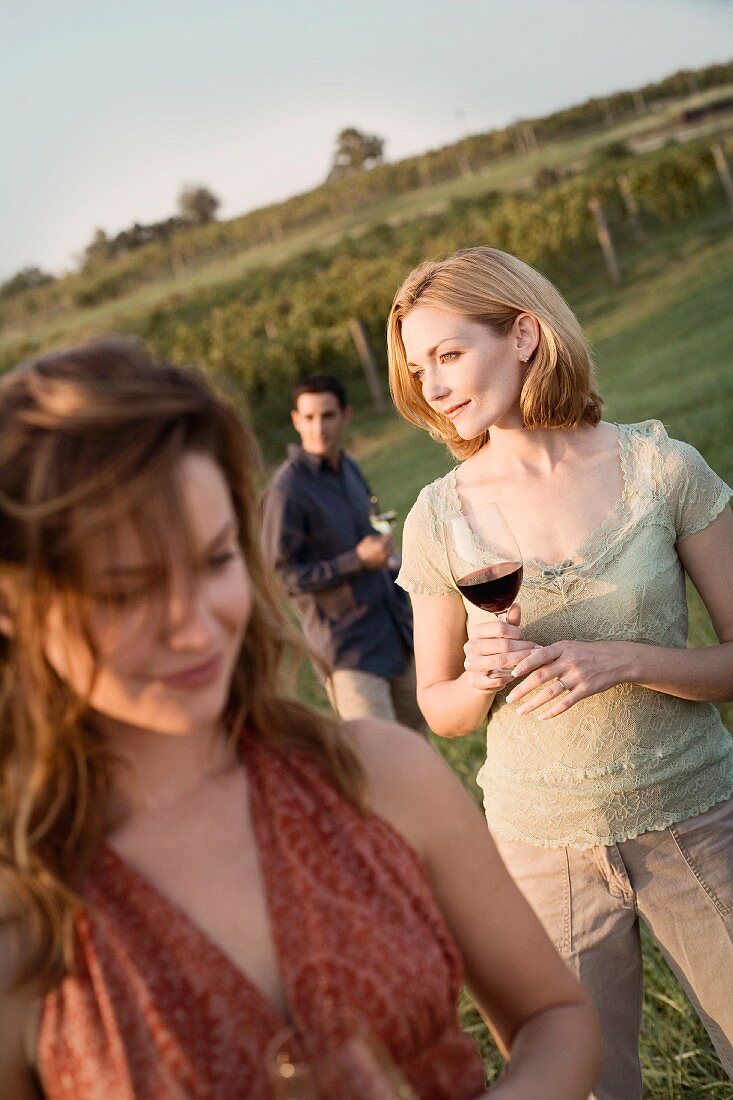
189, 859
608, 777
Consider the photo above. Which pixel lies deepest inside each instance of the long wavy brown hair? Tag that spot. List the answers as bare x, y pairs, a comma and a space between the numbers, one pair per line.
89, 435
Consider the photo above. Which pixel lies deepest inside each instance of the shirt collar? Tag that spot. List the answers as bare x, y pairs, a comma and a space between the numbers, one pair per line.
316, 463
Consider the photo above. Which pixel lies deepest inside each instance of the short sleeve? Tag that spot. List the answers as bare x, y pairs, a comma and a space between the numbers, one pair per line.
695, 492
424, 564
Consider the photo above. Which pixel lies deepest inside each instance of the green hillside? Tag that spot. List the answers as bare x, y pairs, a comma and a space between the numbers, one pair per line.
222, 260
258, 334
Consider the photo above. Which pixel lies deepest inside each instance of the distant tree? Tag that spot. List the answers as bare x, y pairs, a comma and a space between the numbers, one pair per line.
104, 247
100, 247
614, 150
197, 204
548, 176
26, 279
355, 151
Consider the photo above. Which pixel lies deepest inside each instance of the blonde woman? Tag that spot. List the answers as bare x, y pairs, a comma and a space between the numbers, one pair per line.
189, 860
609, 773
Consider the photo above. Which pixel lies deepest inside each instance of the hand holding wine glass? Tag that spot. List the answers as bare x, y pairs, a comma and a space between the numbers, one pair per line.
383, 522
486, 565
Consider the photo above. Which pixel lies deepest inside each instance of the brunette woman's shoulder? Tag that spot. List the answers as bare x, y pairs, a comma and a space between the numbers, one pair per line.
381, 744
407, 779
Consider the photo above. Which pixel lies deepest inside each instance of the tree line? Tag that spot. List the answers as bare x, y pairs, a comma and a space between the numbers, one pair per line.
358, 177
262, 332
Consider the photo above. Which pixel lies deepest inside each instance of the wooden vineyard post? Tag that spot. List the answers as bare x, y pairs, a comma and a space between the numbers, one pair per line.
178, 266
520, 141
632, 208
604, 239
464, 164
721, 163
423, 171
367, 362
530, 138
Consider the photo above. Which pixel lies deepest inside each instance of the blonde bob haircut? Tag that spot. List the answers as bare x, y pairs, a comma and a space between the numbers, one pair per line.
493, 288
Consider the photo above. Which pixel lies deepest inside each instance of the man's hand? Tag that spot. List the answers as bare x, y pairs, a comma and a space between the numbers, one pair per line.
375, 551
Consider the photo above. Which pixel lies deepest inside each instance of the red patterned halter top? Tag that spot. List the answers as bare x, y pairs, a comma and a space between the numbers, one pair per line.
158, 1012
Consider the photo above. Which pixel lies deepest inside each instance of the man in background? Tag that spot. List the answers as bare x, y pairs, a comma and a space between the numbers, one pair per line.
318, 535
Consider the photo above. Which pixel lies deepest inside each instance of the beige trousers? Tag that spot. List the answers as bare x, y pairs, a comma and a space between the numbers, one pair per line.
356, 694
679, 881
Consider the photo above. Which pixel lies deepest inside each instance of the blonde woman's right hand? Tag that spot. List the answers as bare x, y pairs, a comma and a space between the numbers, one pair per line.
493, 649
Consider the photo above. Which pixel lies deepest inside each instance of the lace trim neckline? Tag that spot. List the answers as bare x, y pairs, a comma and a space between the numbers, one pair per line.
588, 550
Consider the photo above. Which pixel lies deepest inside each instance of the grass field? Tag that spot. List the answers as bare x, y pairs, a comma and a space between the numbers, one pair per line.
663, 343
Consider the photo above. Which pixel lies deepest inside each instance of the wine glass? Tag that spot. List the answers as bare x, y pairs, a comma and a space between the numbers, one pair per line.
485, 561
352, 1065
383, 522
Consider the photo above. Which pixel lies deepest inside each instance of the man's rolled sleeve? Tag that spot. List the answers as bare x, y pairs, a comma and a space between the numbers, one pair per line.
286, 547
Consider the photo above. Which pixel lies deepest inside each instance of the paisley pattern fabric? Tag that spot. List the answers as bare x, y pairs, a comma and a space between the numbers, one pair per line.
158, 1012
627, 760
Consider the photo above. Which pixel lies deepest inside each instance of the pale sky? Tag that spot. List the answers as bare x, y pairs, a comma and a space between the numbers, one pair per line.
107, 107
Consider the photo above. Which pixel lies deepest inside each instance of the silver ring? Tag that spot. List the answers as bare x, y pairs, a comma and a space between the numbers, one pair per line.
562, 685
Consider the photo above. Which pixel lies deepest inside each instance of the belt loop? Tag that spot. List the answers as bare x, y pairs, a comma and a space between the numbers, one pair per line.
620, 874
610, 863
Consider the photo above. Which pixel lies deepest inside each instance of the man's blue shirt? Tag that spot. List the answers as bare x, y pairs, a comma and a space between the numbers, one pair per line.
314, 516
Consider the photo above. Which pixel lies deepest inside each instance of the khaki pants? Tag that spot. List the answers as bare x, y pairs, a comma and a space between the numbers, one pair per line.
356, 694
680, 882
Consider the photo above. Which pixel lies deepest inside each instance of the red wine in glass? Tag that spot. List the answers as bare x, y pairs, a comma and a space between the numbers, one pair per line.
493, 587
485, 562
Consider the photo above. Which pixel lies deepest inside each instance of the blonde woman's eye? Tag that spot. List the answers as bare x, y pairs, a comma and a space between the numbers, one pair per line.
418, 375
447, 356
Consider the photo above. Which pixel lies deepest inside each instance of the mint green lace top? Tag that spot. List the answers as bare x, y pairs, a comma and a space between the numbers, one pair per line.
627, 760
